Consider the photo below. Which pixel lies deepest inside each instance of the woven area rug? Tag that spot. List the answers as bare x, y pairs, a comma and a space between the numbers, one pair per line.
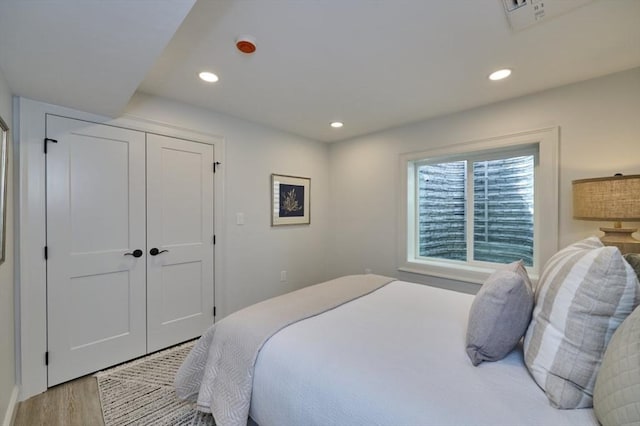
141, 392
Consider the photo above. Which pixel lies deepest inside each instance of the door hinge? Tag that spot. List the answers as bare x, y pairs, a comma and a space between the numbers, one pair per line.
46, 358
216, 165
214, 311
214, 240
48, 140
46, 252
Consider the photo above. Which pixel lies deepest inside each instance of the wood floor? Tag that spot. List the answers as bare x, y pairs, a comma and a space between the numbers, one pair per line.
75, 403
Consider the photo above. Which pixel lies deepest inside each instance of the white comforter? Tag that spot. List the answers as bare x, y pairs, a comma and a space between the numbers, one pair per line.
218, 372
394, 357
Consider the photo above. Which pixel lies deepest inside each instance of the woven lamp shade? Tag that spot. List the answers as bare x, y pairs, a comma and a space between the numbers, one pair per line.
615, 198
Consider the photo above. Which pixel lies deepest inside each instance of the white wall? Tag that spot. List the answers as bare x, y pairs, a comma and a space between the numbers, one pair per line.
599, 124
255, 252
7, 344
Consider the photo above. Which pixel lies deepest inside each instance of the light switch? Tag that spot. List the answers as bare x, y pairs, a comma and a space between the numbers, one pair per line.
239, 218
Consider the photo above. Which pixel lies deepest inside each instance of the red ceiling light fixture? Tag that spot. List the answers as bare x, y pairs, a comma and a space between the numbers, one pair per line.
246, 44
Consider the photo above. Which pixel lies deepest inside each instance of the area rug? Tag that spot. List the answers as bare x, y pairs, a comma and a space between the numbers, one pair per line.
141, 392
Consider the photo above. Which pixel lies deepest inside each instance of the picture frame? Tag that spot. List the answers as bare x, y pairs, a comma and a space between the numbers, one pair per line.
290, 200
4, 170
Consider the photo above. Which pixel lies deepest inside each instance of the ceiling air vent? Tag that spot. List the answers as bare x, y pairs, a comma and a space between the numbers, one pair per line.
524, 13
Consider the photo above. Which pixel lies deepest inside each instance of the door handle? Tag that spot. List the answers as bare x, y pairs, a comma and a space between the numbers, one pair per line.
135, 253
154, 251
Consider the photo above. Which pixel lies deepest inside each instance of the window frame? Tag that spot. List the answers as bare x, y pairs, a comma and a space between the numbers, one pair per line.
544, 141
470, 159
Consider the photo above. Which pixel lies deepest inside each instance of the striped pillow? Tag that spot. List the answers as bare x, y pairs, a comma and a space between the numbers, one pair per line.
585, 291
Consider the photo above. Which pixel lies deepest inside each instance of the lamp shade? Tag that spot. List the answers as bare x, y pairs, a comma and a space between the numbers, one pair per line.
615, 198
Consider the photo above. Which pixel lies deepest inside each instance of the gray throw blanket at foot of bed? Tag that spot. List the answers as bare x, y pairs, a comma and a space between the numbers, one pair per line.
219, 369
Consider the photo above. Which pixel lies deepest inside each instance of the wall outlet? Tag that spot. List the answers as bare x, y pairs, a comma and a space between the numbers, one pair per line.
283, 276
367, 270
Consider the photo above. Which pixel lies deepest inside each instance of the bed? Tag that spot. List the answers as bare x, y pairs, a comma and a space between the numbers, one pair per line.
394, 355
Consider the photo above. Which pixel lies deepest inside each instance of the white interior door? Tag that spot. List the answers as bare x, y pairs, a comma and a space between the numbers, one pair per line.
180, 287
95, 219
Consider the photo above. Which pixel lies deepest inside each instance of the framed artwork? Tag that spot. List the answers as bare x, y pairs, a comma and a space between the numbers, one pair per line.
290, 200
4, 166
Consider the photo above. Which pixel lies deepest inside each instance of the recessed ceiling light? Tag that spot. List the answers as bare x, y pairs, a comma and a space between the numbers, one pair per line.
337, 124
207, 76
500, 74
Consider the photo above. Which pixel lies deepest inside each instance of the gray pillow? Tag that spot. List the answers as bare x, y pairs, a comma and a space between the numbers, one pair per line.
633, 259
616, 396
499, 315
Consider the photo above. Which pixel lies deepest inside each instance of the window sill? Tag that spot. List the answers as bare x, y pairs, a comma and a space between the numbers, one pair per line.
473, 274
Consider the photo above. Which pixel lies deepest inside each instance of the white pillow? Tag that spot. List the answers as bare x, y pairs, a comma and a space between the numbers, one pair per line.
585, 291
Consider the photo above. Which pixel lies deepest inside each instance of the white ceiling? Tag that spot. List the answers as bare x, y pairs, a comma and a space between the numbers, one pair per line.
373, 64
85, 54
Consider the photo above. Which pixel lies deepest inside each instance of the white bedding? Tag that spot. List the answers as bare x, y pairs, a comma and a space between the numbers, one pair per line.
218, 372
394, 357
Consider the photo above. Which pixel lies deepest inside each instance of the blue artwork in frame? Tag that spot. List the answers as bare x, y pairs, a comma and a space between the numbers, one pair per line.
290, 200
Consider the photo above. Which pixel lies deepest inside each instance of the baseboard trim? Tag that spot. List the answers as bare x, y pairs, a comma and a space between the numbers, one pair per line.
12, 409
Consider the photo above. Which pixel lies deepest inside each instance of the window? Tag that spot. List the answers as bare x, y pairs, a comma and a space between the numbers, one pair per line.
471, 207
499, 212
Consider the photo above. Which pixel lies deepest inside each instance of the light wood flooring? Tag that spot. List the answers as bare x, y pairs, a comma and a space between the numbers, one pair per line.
76, 403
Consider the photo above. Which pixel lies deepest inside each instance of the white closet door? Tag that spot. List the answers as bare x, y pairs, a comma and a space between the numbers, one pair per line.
95, 217
180, 227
